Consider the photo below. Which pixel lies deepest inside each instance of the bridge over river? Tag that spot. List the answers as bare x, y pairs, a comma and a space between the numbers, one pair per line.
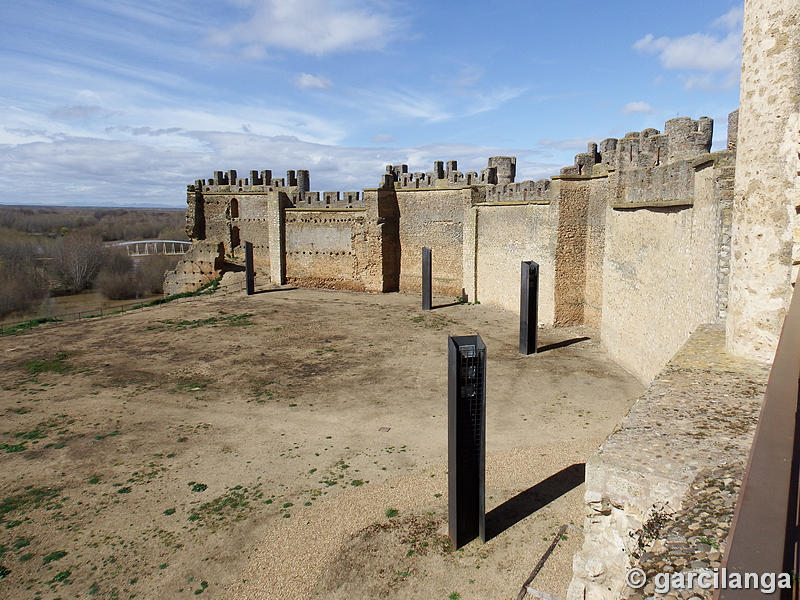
150, 247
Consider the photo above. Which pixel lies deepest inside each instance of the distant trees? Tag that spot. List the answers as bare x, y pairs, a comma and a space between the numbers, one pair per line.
76, 260
109, 224
23, 282
121, 278
61, 250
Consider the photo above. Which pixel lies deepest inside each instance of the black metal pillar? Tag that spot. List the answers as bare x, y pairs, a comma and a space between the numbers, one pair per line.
426, 279
528, 307
248, 268
466, 438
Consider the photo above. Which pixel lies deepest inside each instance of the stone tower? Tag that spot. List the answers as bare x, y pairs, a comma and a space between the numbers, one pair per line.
765, 238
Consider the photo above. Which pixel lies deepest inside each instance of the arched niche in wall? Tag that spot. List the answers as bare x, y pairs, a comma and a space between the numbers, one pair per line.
235, 240
234, 209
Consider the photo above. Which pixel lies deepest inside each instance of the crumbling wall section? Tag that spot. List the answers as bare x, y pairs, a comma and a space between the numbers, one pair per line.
199, 266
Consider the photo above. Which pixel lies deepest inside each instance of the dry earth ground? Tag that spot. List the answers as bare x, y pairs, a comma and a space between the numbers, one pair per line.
291, 444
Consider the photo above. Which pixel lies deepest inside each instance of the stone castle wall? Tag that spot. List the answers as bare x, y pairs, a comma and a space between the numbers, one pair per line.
631, 239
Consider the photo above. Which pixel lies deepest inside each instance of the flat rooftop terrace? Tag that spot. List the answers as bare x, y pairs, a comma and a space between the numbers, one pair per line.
290, 444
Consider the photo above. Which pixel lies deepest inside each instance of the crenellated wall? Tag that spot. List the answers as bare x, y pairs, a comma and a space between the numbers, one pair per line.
632, 239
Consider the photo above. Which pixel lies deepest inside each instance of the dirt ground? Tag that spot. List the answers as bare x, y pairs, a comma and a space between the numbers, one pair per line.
291, 444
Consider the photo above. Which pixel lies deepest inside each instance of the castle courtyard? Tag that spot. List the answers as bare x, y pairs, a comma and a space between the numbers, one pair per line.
289, 444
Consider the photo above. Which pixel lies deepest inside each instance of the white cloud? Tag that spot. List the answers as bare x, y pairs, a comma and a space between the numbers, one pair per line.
306, 81
732, 19
637, 108
91, 171
430, 106
698, 51
576, 144
310, 26
717, 58
383, 138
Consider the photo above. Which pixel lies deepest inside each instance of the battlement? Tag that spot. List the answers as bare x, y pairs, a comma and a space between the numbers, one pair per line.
683, 139
258, 181
296, 185
497, 178
523, 191
319, 200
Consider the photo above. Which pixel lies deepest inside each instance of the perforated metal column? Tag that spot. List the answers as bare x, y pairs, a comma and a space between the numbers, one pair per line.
248, 268
466, 437
528, 307
426, 279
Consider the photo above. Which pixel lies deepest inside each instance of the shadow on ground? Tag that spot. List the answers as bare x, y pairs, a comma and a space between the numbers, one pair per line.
526, 503
562, 344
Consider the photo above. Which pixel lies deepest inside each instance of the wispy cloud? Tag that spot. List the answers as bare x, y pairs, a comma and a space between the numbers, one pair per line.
637, 108
306, 81
310, 26
699, 51
78, 112
576, 144
717, 57
731, 20
90, 170
383, 138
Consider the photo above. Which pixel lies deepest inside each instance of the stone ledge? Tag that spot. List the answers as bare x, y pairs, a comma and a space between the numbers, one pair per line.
691, 429
688, 203
513, 203
324, 210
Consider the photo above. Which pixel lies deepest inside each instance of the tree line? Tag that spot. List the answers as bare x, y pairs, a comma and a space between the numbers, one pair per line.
46, 252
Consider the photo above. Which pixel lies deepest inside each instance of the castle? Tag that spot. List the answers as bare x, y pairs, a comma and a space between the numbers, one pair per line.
584, 227
650, 239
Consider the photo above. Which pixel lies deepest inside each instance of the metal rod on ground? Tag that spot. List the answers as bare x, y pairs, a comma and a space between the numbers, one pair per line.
426, 279
540, 564
248, 268
528, 307
466, 438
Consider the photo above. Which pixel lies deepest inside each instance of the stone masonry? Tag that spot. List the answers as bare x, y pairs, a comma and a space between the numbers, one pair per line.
766, 230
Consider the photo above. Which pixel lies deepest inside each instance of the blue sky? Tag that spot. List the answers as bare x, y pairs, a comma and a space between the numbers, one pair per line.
118, 102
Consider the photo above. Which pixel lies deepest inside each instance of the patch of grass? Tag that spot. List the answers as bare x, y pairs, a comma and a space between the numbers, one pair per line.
9, 448
233, 504
53, 556
208, 288
93, 589
454, 596
169, 511
61, 576
124, 490
705, 540
20, 327
198, 487
106, 435
392, 512
34, 434
31, 497
242, 320
4, 572
21, 543
25, 557
94, 479
357, 482
47, 365
191, 385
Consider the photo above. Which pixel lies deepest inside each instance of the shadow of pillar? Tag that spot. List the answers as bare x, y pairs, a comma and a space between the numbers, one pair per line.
526, 503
